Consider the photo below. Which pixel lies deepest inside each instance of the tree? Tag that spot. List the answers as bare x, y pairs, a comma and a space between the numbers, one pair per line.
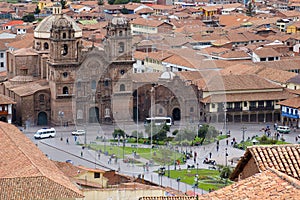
63, 4
118, 133
158, 132
202, 131
28, 18
250, 9
100, 2
124, 11
186, 134
37, 10
110, 2
174, 133
134, 134
225, 173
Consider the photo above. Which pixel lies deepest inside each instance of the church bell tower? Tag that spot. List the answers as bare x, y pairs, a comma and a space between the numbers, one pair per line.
65, 49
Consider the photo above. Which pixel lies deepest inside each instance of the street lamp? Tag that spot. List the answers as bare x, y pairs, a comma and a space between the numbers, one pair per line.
178, 181
151, 113
225, 110
195, 184
226, 155
197, 168
244, 129
123, 147
137, 117
61, 116
161, 172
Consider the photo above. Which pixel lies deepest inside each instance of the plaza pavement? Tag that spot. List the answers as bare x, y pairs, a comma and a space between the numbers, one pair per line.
138, 170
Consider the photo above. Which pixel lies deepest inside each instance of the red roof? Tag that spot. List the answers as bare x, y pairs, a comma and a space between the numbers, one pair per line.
13, 22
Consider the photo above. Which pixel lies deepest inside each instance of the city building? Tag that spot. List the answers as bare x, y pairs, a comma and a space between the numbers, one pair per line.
59, 82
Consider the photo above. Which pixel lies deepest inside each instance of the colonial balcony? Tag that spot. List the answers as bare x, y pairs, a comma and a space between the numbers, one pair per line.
261, 108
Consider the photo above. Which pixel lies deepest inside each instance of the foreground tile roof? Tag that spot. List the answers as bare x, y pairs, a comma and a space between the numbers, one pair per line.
26, 173
168, 198
284, 158
270, 184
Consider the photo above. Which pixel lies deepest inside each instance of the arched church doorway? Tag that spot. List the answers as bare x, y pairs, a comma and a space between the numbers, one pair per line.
176, 114
42, 119
94, 115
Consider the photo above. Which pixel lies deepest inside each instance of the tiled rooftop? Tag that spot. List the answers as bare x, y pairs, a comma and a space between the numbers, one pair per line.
270, 184
23, 163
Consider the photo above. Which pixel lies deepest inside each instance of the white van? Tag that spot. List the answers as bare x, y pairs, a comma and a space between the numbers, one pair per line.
283, 129
45, 133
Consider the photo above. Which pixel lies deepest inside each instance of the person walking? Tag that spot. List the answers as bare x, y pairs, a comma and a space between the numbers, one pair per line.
81, 153
67, 140
210, 154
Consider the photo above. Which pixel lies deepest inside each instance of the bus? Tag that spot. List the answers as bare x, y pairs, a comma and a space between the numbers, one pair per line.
159, 121
45, 133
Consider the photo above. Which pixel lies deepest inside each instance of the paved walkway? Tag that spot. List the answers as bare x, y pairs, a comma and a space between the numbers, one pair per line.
124, 168
138, 170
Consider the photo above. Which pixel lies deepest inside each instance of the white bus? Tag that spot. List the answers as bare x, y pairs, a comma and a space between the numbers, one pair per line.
159, 121
45, 133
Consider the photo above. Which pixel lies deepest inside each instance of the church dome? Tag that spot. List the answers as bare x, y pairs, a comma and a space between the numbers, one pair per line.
62, 22
118, 21
42, 31
167, 75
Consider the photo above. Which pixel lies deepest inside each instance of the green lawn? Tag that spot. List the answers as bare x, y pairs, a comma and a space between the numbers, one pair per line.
269, 141
208, 179
160, 156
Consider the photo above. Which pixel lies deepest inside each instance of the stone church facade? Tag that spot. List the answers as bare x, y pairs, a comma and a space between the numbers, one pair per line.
58, 81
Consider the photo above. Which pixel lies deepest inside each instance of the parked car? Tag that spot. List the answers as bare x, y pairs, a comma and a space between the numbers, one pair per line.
78, 132
283, 129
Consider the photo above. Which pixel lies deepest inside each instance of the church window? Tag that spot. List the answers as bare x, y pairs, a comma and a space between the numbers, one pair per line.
78, 84
191, 109
107, 113
46, 46
120, 33
122, 72
160, 111
64, 35
79, 114
64, 49
93, 85
65, 90
106, 83
65, 74
122, 87
121, 47
42, 98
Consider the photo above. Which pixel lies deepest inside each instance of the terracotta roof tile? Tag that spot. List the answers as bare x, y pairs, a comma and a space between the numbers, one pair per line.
147, 22
292, 102
251, 96
6, 100
239, 82
26, 173
284, 158
266, 52
270, 184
